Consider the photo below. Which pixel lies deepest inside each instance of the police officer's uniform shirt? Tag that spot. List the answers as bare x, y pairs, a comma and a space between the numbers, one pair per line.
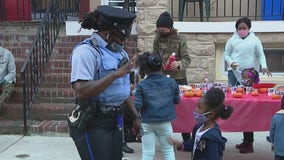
86, 61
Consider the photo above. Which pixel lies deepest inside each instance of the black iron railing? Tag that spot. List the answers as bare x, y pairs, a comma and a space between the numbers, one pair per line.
228, 10
38, 56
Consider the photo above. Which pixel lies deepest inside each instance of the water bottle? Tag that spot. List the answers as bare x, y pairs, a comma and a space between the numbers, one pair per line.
171, 58
205, 85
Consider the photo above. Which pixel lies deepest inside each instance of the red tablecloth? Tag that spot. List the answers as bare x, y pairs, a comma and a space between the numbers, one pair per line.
250, 113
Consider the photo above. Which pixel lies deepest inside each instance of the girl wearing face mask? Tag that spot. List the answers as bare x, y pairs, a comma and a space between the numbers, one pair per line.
244, 50
249, 77
207, 141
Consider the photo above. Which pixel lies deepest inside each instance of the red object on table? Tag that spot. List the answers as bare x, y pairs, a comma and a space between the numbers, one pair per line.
250, 113
264, 85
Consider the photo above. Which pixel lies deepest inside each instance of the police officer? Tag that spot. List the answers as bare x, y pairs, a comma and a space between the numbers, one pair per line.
7, 75
168, 41
100, 70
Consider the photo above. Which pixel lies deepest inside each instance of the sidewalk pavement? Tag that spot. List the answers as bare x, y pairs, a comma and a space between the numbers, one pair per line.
61, 147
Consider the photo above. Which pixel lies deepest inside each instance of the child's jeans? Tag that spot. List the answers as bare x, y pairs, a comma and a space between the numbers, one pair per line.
162, 131
278, 157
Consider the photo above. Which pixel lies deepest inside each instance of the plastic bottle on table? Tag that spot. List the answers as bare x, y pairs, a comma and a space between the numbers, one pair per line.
205, 85
171, 58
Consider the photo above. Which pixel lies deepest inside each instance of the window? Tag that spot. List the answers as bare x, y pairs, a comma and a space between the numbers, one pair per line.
275, 59
116, 3
129, 5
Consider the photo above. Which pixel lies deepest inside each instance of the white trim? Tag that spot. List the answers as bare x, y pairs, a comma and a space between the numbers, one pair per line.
73, 29
227, 27
104, 2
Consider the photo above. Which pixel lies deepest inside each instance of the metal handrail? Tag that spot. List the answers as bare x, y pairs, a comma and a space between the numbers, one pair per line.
38, 56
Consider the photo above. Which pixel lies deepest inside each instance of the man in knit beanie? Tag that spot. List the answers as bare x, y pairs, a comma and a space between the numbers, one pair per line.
164, 24
165, 20
168, 41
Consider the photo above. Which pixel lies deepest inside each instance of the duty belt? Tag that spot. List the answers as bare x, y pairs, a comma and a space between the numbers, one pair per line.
109, 109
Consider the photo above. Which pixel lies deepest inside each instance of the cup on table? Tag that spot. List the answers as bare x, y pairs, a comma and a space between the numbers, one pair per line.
197, 86
210, 85
233, 90
277, 92
270, 91
204, 86
224, 90
240, 86
248, 90
223, 85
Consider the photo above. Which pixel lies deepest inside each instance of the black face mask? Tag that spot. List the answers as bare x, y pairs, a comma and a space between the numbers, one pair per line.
164, 35
114, 47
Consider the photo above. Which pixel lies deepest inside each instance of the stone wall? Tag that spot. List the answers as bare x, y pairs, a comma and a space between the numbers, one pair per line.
202, 46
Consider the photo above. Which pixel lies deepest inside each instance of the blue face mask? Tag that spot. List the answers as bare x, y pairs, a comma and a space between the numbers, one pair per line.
114, 47
200, 118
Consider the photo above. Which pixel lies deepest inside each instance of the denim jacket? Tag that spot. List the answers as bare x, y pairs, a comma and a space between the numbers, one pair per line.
155, 98
277, 132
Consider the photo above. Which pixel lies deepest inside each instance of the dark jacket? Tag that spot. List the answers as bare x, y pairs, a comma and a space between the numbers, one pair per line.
210, 146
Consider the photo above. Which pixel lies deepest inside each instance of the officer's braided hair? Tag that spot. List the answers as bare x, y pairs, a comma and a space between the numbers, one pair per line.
92, 21
214, 100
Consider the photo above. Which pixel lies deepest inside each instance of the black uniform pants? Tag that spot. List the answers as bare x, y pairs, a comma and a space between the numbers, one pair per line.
248, 137
103, 141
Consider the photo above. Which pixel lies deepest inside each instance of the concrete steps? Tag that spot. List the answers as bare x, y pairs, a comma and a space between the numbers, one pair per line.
34, 127
44, 117
40, 111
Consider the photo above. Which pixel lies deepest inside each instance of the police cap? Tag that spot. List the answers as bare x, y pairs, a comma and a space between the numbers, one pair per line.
116, 17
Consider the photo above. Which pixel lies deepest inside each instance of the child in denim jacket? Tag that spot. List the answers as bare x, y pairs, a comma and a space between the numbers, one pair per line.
276, 133
154, 99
